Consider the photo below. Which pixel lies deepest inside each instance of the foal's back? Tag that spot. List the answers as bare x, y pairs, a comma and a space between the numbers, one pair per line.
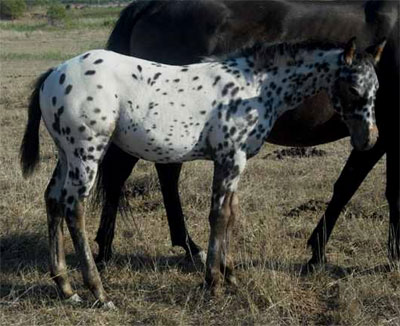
156, 112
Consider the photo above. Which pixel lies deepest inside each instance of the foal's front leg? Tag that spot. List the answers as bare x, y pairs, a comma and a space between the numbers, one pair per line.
224, 209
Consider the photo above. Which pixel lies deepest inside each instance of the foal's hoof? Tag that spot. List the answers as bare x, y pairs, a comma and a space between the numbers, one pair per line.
213, 289
74, 299
231, 280
108, 305
197, 259
202, 257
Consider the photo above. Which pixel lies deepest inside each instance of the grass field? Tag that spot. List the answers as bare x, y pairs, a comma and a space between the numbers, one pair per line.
282, 198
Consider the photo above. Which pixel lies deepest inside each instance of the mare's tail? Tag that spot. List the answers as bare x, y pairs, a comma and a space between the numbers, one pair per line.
29, 150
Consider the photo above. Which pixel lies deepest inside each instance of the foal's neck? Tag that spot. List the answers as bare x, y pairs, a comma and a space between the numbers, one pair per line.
286, 87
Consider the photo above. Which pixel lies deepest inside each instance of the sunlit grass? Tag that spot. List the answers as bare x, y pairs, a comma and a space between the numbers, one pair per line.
281, 200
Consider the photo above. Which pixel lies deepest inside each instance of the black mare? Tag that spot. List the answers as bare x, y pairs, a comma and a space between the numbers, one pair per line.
181, 32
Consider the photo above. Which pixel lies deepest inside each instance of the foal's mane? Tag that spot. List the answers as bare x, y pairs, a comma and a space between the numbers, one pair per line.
271, 53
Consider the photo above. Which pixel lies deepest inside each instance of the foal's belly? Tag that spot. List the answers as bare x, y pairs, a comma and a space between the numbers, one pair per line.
150, 142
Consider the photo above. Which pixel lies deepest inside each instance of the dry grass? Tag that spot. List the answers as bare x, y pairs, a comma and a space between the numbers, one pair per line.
281, 201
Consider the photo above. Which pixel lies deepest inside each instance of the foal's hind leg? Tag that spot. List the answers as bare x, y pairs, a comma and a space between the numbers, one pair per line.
80, 178
53, 198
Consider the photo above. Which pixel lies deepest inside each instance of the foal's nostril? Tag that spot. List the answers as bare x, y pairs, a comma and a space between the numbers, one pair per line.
373, 129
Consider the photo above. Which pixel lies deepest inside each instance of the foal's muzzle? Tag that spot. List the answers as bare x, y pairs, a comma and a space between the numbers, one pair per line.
363, 135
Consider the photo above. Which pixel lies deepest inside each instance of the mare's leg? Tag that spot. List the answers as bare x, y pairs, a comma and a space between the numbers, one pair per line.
168, 175
114, 169
54, 207
224, 209
354, 172
393, 197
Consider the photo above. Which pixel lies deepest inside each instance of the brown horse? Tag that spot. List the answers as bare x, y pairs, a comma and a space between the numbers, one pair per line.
180, 32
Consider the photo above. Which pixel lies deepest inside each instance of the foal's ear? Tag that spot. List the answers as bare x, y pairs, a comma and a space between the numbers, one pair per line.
349, 51
376, 50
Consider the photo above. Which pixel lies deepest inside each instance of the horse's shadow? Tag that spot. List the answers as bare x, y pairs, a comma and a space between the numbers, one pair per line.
302, 270
144, 262
29, 251
23, 251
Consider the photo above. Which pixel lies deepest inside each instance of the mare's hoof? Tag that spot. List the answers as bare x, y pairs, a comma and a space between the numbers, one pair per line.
312, 265
102, 259
394, 264
394, 257
75, 298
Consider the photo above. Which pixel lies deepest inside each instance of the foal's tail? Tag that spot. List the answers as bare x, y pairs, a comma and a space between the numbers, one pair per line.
29, 151
119, 40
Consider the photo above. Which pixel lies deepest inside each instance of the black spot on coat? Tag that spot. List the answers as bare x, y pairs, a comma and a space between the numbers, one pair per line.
68, 89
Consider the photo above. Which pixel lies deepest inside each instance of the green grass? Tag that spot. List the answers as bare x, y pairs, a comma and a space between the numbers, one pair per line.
19, 26
75, 20
94, 12
48, 55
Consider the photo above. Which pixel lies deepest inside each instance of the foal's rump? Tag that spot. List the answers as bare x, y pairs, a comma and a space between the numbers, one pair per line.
146, 109
76, 101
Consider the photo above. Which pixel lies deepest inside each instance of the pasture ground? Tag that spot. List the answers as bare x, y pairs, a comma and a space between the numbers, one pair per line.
282, 197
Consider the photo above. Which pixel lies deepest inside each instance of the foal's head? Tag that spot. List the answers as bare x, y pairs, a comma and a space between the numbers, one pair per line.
355, 91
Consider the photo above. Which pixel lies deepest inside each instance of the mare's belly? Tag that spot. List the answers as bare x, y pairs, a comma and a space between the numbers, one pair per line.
312, 123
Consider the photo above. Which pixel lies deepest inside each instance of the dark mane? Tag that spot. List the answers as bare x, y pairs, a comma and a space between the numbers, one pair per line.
266, 52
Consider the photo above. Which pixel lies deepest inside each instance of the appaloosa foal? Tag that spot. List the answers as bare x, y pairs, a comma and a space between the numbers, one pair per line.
221, 110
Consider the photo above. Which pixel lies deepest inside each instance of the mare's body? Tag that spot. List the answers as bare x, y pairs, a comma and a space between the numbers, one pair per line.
179, 32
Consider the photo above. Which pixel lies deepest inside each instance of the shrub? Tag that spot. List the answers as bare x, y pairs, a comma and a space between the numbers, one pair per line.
56, 13
12, 9
37, 2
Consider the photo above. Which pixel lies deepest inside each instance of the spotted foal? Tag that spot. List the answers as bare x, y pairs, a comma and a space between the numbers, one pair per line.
221, 110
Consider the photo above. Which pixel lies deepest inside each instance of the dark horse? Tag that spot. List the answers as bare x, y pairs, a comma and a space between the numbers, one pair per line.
180, 32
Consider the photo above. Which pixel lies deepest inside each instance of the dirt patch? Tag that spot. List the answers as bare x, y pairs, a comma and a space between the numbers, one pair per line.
350, 211
310, 206
301, 152
140, 187
356, 211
